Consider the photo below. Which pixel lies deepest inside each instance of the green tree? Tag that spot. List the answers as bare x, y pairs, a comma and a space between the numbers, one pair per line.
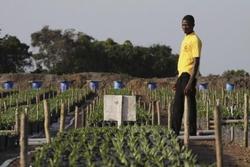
52, 46
70, 52
14, 55
235, 73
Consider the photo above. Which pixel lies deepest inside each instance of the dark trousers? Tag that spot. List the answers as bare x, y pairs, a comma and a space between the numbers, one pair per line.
178, 107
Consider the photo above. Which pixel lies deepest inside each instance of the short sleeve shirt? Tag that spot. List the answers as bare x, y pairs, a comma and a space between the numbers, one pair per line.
190, 49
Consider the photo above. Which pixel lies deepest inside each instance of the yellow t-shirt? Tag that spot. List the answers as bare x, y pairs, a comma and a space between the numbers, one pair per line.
190, 48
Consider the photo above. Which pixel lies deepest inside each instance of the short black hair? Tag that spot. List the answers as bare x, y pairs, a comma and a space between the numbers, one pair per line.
189, 18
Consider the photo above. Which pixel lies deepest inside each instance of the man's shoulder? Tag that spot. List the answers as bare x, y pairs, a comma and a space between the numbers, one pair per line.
195, 38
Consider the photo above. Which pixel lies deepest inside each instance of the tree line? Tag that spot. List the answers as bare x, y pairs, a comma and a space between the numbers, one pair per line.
68, 51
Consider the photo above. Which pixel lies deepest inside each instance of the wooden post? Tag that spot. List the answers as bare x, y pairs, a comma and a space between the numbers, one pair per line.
17, 123
46, 121
76, 117
214, 99
37, 106
158, 111
144, 106
83, 118
231, 134
87, 116
44, 96
207, 114
226, 101
62, 118
93, 105
37, 99
68, 105
23, 141
17, 103
237, 100
169, 115
139, 102
246, 107
186, 120
56, 106
5, 106
153, 112
222, 96
149, 110
218, 139
155, 95
25, 96
89, 110
164, 100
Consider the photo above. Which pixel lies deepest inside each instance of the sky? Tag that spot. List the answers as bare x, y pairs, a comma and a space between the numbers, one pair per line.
222, 25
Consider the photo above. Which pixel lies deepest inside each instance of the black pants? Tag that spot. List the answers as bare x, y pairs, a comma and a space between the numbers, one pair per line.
178, 107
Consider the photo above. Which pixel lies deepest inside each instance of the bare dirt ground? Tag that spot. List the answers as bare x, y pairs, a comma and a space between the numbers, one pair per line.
234, 155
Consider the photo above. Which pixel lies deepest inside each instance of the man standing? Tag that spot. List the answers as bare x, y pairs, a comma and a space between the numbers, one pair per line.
188, 65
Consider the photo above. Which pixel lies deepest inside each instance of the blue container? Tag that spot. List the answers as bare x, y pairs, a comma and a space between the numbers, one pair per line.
229, 87
64, 85
118, 85
36, 84
152, 85
8, 85
203, 86
94, 85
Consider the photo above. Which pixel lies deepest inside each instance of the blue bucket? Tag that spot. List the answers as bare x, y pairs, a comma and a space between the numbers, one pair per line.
203, 86
64, 85
8, 85
118, 85
94, 85
229, 87
36, 84
152, 86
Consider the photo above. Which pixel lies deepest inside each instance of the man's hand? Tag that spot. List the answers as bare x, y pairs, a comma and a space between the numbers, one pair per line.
187, 89
174, 87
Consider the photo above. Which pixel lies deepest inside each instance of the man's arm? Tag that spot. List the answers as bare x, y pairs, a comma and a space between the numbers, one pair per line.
193, 74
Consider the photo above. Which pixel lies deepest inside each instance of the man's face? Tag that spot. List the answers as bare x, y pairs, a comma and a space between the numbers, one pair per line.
187, 26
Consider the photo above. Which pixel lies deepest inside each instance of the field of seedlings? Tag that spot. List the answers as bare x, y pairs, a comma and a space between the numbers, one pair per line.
52, 127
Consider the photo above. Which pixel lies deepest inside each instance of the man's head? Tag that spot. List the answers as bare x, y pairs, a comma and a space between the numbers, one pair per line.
188, 24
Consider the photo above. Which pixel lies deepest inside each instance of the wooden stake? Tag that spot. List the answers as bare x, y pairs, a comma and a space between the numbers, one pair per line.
5, 106
222, 96
139, 102
37, 111
68, 105
87, 116
207, 114
246, 107
237, 100
17, 127
56, 106
62, 118
83, 118
218, 139
158, 112
23, 140
76, 117
46, 121
153, 112
231, 134
17, 103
